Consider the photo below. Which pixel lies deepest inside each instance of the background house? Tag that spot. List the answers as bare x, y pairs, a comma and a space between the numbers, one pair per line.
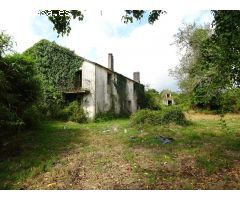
167, 98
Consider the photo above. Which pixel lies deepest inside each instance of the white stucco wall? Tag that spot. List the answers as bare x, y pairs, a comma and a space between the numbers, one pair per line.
103, 100
88, 82
101, 96
104, 95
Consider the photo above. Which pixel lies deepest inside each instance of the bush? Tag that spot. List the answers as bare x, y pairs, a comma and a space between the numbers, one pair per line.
19, 90
73, 112
32, 117
146, 116
173, 115
166, 116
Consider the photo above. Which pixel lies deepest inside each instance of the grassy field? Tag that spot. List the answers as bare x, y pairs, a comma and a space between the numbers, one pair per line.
115, 155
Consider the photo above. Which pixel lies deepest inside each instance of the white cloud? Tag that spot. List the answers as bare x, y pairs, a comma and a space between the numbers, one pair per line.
147, 48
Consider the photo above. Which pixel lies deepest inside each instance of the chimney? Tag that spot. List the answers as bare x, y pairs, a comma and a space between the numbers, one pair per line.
110, 61
136, 76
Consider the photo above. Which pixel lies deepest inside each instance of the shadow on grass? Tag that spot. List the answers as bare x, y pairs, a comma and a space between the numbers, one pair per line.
29, 153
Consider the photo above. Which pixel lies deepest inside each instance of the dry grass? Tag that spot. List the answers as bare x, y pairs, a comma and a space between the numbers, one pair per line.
114, 155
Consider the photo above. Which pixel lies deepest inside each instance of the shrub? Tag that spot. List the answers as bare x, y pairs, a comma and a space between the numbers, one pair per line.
32, 116
173, 115
166, 116
105, 116
146, 116
73, 112
19, 90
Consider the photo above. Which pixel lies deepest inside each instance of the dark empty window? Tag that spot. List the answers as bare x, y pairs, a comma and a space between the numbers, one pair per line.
109, 79
78, 79
168, 95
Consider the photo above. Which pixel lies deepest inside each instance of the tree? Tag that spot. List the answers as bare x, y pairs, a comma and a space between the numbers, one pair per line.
6, 43
61, 18
20, 89
227, 38
189, 40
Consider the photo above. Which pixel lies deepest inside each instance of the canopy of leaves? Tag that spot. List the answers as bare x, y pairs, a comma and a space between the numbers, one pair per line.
61, 18
226, 40
20, 88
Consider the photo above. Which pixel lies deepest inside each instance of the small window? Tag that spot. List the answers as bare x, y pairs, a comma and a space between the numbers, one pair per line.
78, 79
168, 95
109, 79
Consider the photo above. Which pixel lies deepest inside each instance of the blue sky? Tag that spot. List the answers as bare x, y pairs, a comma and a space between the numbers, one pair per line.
136, 47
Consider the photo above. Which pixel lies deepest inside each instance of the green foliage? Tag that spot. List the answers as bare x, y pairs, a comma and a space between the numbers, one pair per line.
106, 116
173, 115
142, 100
61, 19
152, 100
153, 117
6, 43
230, 101
226, 38
146, 116
20, 89
57, 67
73, 112
120, 85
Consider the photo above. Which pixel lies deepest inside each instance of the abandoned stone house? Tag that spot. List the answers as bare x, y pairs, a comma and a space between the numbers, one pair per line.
101, 89
167, 98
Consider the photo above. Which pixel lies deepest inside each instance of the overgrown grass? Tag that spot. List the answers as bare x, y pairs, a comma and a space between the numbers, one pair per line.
198, 154
30, 153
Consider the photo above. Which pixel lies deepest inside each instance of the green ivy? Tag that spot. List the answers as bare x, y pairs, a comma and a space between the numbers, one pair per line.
57, 66
140, 93
120, 85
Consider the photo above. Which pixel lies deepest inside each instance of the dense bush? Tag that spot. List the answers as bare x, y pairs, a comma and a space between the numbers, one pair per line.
73, 112
173, 115
146, 116
166, 116
19, 90
230, 101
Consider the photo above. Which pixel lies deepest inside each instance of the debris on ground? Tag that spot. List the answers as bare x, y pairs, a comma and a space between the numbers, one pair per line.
164, 140
105, 131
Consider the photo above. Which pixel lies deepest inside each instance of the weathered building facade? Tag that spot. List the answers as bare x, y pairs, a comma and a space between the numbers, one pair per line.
102, 90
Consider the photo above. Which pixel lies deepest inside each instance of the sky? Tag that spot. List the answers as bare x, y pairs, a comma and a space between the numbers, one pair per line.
141, 47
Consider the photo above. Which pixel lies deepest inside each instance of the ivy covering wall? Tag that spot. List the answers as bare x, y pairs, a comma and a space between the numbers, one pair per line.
56, 66
120, 84
140, 93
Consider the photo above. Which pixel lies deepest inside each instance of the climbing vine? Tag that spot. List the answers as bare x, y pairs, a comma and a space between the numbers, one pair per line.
120, 85
140, 93
56, 67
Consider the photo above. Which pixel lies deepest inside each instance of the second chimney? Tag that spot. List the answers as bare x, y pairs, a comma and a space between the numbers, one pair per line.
110, 61
136, 76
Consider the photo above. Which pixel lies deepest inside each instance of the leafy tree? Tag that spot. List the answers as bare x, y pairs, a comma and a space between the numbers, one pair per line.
6, 43
61, 18
153, 101
20, 89
189, 40
227, 39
